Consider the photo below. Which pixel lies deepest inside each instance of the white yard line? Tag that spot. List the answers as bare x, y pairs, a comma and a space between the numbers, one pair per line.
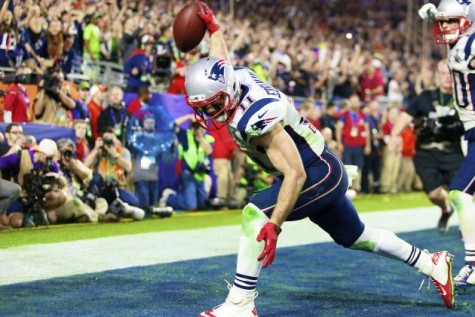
44, 261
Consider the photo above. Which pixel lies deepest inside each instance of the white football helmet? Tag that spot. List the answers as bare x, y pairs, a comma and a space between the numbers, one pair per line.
451, 22
212, 90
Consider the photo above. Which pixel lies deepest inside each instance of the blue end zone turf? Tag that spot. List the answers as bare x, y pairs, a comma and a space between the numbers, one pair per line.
313, 280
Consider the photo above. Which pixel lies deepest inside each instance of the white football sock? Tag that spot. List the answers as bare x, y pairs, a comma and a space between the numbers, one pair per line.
386, 243
248, 268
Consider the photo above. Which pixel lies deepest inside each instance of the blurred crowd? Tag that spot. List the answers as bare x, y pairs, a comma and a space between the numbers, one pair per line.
351, 67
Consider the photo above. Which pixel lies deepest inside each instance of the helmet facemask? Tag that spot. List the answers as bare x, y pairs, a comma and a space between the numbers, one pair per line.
448, 29
214, 112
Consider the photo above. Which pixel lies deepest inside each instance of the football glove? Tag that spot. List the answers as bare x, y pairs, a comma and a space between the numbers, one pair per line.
269, 233
428, 11
208, 18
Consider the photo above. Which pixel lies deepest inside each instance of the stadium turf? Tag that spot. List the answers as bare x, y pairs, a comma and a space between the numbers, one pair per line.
312, 280
182, 221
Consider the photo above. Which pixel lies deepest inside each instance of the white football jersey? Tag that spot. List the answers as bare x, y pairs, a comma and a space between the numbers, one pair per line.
262, 107
463, 78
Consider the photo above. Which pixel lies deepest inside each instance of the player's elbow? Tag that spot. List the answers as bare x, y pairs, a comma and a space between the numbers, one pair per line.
300, 176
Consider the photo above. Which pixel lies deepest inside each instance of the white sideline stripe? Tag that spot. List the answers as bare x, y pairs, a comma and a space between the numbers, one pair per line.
45, 261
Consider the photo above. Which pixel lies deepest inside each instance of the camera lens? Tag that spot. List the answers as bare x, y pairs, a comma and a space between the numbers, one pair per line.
67, 154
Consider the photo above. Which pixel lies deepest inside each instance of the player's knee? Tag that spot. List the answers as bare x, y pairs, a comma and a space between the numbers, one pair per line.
462, 201
455, 196
348, 238
252, 220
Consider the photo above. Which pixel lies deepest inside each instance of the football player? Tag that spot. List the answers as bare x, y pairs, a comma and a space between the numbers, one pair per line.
310, 181
454, 25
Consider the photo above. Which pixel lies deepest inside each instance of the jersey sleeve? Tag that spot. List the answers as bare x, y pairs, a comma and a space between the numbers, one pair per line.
264, 118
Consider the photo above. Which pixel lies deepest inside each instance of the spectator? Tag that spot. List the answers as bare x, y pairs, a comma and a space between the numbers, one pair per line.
9, 192
177, 84
53, 101
51, 47
17, 100
9, 34
139, 66
144, 95
82, 146
372, 161
81, 110
329, 118
72, 24
33, 35
193, 151
312, 113
407, 173
397, 87
372, 81
391, 154
115, 115
353, 136
95, 106
130, 38
92, 39
228, 164
111, 161
92, 46
68, 57
147, 149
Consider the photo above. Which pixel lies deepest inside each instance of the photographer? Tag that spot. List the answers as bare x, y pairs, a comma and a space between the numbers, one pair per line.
38, 175
111, 161
78, 177
15, 140
115, 115
438, 132
193, 152
52, 102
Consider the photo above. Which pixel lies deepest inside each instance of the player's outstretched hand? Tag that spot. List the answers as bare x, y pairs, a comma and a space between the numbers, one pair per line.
269, 233
428, 11
208, 17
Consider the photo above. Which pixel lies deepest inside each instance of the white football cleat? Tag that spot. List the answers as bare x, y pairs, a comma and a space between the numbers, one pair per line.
235, 305
442, 276
466, 276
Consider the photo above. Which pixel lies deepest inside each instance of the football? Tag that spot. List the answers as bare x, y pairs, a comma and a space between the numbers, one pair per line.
188, 28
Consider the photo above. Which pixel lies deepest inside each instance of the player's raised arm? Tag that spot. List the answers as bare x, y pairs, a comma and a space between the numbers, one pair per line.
218, 44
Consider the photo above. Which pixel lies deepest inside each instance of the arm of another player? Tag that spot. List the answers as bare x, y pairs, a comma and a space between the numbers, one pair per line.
218, 46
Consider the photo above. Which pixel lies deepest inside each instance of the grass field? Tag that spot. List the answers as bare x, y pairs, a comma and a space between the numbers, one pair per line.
321, 280
306, 280
181, 221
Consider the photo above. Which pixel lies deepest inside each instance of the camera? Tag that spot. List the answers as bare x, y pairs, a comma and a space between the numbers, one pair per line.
36, 186
108, 141
202, 168
25, 79
90, 195
67, 154
51, 83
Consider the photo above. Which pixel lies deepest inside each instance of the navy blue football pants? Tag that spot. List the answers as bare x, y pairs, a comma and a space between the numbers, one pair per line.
322, 199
